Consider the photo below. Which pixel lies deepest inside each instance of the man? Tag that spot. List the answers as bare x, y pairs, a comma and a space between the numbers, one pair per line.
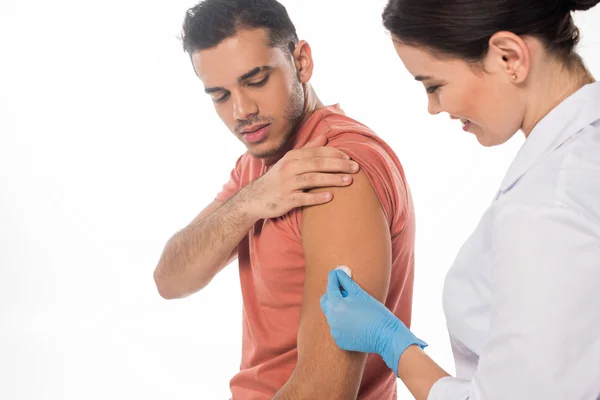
293, 209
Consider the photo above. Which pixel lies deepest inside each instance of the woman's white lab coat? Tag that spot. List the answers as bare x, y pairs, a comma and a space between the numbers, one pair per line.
522, 300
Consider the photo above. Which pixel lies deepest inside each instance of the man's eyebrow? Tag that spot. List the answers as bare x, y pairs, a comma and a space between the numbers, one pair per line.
421, 78
253, 72
213, 89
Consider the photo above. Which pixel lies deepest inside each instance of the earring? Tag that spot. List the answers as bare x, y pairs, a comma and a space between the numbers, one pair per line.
514, 76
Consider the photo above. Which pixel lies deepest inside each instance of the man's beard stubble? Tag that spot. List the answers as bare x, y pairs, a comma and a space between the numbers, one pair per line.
293, 113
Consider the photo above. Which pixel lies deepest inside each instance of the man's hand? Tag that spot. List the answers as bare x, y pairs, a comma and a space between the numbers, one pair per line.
284, 187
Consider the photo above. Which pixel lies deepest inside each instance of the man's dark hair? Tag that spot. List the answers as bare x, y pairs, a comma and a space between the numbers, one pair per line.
212, 21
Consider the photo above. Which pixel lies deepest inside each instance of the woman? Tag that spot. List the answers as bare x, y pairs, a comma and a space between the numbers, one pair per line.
522, 300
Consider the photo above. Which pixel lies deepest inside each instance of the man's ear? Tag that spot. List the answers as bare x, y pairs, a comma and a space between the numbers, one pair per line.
303, 61
509, 54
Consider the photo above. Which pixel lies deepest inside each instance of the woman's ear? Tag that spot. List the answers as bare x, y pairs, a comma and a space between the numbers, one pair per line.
508, 53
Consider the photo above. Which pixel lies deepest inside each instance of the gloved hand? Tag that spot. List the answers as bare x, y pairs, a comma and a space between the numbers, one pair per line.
358, 322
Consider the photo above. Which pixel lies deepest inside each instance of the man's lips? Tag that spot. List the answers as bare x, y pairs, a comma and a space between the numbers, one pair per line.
253, 128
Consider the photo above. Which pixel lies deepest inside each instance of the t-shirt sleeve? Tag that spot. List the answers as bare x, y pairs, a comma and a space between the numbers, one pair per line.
384, 172
233, 184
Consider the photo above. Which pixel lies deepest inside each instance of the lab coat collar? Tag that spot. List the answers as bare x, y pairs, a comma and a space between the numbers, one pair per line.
576, 112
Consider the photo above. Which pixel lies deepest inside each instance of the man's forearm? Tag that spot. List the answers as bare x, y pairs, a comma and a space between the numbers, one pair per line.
194, 255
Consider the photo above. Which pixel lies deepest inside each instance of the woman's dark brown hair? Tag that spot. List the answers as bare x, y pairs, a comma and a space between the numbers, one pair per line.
463, 28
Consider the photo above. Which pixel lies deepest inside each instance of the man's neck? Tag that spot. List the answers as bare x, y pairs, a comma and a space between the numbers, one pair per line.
311, 104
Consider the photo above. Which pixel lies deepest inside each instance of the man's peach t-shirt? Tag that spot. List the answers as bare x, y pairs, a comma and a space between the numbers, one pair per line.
271, 262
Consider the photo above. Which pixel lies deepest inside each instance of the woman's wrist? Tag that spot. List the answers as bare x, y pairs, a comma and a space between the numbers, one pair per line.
419, 372
399, 339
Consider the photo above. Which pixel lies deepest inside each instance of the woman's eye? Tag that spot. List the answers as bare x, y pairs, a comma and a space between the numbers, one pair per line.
433, 89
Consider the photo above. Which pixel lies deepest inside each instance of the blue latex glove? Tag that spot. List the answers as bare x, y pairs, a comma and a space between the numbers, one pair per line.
358, 322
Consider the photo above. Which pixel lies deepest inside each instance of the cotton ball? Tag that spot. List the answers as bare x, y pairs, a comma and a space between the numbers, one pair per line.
346, 269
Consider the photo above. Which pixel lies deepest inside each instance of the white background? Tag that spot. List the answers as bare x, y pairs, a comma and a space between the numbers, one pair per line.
109, 145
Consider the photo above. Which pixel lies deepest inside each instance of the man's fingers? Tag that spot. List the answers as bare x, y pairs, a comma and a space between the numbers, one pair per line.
318, 151
313, 180
320, 140
310, 199
324, 151
324, 164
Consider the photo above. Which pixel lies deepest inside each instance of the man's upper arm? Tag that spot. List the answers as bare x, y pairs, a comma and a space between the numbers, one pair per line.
351, 230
